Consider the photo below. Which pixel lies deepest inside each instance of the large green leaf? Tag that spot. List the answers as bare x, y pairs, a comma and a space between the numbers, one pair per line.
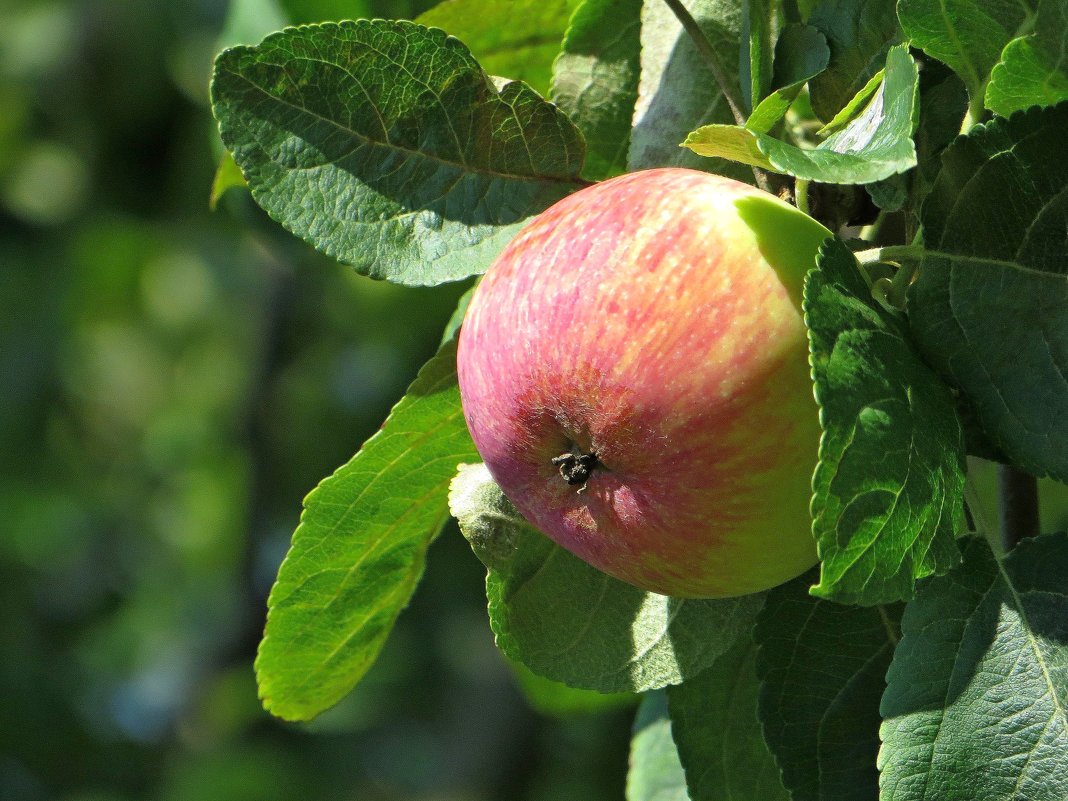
821, 667
386, 146
990, 306
968, 35
359, 550
888, 489
716, 730
570, 622
655, 771
677, 90
875, 145
859, 34
975, 702
1033, 70
595, 80
518, 39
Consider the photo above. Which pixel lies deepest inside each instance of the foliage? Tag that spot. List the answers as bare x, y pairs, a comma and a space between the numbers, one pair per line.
936, 326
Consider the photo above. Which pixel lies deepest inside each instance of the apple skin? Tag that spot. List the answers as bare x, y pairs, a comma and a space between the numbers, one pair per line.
655, 321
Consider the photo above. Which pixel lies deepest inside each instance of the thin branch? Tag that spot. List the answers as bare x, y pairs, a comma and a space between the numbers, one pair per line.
711, 57
1018, 493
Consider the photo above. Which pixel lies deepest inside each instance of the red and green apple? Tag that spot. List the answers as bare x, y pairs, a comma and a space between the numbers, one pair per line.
634, 372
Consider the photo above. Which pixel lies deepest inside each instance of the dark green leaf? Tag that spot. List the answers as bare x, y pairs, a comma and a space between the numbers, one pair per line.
677, 90
570, 622
655, 771
386, 146
890, 194
1033, 70
875, 145
715, 727
518, 39
359, 550
975, 702
821, 667
943, 104
800, 54
859, 34
990, 306
595, 80
888, 488
968, 35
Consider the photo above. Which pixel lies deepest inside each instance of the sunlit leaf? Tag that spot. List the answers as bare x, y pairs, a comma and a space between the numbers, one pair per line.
975, 702
359, 550
888, 490
386, 146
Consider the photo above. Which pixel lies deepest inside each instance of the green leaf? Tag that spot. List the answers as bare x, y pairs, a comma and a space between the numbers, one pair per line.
655, 771
570, 622
943, 104
859, 34
758, 17
851, 109
227, 176
386, 146
457, 317
990, 306
677, 90
800, 54
975, 702
875, 145
595, 80
888, 489
518, 39
821, 667
717, 733
1033, 70
968, 35
359, 550
553, 698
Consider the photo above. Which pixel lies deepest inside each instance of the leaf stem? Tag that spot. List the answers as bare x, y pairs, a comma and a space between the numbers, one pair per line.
871, 232
975, 112
801, 195
711, 57
894, 253
1018, 494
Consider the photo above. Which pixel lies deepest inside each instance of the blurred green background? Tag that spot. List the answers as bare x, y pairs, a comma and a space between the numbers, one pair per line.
175, 380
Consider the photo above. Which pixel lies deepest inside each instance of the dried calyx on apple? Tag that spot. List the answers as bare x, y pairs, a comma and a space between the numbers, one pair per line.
634, 372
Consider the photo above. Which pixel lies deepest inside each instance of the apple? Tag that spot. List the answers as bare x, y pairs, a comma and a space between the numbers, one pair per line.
634, 373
